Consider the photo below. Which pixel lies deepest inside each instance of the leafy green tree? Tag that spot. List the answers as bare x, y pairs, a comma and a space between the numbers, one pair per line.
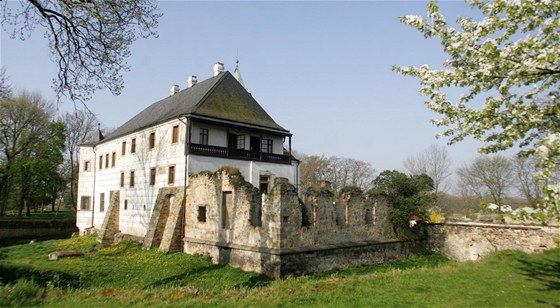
31, 148
89, 40
510, 60
407, 196
45, 181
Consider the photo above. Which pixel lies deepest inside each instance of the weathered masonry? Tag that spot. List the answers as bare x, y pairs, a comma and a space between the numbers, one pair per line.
273, 233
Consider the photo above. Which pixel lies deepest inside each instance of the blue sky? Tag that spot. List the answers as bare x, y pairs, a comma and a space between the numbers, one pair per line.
321, 69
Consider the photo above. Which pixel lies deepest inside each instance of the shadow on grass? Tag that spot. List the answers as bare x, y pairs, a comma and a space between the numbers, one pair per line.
546, 271
10, 274
421, 260
193, 276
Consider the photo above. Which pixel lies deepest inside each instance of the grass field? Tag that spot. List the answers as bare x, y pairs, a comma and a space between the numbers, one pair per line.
47, 215
125, 275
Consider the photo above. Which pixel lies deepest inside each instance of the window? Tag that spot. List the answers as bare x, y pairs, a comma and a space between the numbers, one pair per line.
152, 141
236, 141
123, 148
264, 183
131, 181
102, 202
122, 179
240, 141
114, 159
204, 136
202, 214
175, 134
171, 175
85, 203
126, 204
133, 145
255, 144
100, 162
153, 176
87, 165
106, 160
266, 146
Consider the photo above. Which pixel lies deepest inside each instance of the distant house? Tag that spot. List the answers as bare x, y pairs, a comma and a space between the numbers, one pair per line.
208, 125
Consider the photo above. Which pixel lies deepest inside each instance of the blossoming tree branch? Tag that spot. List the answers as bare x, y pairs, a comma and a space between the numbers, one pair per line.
508, 67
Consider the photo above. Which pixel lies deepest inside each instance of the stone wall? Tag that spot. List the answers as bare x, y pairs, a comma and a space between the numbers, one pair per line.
472, 241
277, 233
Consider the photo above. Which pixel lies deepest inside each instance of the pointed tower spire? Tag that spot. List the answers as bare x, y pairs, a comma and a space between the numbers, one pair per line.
100, 136
237, 73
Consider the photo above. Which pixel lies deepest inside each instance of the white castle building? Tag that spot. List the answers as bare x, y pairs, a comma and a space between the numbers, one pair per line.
206, 126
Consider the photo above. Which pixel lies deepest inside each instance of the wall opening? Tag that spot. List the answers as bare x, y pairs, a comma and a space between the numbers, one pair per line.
255, 213
201, 217
227, 209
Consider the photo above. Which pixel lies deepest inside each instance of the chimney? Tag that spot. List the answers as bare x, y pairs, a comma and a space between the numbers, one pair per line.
191, 81
218, 68
174, 89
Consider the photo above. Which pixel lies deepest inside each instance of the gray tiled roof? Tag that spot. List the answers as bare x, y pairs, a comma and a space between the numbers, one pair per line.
220, 97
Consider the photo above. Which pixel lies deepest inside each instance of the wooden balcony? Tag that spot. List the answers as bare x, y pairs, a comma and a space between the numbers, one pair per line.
209, 150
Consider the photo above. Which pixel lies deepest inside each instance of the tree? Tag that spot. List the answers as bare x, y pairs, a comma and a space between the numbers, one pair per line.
488, 176
24, 120
531, 188
36, 175
79, 128
339, 171
343, 172
313, 170
89, 40
5, 88
406, 195
511, 60
434, 162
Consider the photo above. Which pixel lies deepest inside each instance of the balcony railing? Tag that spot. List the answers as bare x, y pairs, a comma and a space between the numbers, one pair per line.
209, 150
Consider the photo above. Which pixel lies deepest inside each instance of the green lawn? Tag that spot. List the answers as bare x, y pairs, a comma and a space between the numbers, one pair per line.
46, 215
125, 275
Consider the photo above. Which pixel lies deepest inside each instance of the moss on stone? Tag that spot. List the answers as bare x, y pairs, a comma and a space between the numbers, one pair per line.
351, 190
235, 177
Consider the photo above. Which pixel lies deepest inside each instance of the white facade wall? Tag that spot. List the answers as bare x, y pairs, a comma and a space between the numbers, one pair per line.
141, 197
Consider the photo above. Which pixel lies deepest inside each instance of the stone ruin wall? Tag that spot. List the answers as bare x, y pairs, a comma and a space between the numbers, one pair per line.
473, 241
239, 226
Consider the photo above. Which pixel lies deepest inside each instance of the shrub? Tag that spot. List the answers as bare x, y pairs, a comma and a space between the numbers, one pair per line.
435, 217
